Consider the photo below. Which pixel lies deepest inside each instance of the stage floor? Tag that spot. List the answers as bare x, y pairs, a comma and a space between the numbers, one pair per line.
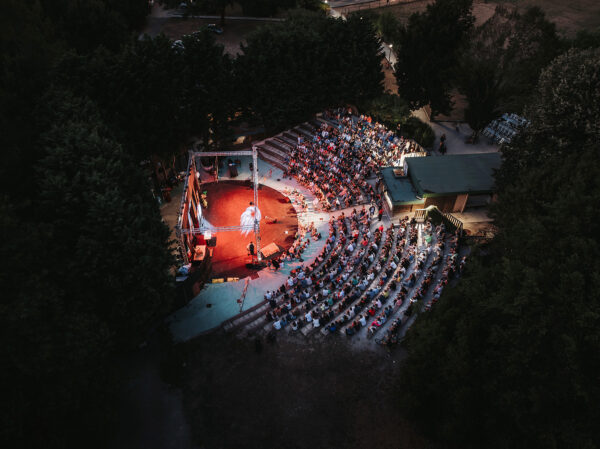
227, 200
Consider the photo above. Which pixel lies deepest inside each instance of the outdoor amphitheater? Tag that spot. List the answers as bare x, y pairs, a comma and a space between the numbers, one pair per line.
337, 249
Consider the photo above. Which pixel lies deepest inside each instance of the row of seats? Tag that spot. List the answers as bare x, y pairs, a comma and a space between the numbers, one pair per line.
339, 237
304, 288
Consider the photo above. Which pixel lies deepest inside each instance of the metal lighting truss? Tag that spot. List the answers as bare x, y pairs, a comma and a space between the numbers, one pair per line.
182, 232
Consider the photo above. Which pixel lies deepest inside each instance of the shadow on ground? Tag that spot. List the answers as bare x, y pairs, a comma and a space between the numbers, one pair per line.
292, 394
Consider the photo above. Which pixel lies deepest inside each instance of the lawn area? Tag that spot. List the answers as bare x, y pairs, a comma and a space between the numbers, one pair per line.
569, 16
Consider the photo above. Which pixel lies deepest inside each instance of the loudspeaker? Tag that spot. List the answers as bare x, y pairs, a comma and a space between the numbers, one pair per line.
270, 250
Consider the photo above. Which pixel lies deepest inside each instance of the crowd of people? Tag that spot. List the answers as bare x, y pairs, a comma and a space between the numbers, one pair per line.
359, 282
384, 145
336, 163
309, 285
365, 273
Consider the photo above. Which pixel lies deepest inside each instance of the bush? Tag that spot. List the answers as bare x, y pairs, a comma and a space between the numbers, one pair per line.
389, 109
414, 128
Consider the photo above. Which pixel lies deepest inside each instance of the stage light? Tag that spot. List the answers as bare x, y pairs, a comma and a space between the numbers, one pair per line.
207, 235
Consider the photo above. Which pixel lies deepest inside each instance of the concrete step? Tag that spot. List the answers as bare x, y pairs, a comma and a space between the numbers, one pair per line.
292, 136
288, 141
304, 132
279, 145
274, 151
289, 146
271, 160
316, 122
307, 127
330, 122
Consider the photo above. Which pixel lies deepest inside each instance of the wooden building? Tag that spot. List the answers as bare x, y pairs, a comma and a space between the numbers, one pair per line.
452, 183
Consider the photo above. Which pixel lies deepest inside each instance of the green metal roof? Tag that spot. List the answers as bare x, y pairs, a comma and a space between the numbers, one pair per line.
454, 174
400, 190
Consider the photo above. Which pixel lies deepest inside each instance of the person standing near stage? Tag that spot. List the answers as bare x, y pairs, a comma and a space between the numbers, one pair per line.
250, 249
380, 213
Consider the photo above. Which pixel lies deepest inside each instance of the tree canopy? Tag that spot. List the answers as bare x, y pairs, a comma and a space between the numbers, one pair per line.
162, 93
509, 357
92, 252
501, 65
291, 70
427, 51
86, 265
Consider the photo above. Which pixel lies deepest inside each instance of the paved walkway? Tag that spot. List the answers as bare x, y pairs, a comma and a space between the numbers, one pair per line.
455, 139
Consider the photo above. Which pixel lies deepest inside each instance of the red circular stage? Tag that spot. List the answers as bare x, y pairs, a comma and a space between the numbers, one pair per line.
227, 200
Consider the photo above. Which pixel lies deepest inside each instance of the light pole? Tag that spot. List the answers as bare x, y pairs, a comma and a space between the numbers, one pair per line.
390, 58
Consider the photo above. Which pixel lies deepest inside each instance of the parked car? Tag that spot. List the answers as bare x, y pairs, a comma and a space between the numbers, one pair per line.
214, 28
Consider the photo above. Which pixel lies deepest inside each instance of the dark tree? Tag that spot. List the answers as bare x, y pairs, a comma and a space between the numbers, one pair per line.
587, 39
85, 275
156, 94
500, 68
85, 25
207, 78
510, 356
291, 70
427, 51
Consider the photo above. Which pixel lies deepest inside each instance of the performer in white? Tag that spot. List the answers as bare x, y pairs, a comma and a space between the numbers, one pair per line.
247, 219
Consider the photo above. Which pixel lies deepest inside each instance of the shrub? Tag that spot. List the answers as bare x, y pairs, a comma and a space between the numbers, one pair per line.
414, 128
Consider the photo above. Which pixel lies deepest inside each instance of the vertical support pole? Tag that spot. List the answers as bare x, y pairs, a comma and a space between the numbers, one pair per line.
190, 173
181, 238
255, 185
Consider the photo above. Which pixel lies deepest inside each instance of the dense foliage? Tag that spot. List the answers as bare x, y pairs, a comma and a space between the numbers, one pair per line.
510, 356
389, 109
500, 68
86, 269
162, 93
85, 25
85, 273
85, 260
414, 128
289, 71
427, 51
252, 8
385, 23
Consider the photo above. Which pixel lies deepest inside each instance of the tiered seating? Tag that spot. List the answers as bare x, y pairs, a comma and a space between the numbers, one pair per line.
366, 280
357, 287
450, 267
248, 321
327, 302
412, 287
443, 253
273, 156
381, 286
285, 301
309, 298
